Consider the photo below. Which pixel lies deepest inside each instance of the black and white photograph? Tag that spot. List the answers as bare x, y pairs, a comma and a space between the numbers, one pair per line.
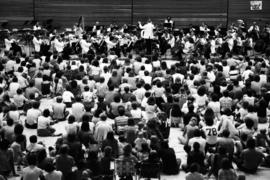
134, 89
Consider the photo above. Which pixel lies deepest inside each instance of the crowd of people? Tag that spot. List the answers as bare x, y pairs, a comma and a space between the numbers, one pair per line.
121, 105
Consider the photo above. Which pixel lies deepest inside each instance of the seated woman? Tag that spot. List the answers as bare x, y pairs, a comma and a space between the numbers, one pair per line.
170, 165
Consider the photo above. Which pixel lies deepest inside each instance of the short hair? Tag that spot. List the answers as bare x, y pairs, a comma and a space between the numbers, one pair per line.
226, 133
36, 104
121, 110
10, 122
71, 119
63, 149
32, 159
225, 164
249, 123
46, 113
33, 139
18, 129
194, 167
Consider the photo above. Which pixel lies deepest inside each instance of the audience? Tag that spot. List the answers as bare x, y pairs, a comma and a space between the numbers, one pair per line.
120, 103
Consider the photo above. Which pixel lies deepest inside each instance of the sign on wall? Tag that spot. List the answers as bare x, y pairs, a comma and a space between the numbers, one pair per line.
255, 5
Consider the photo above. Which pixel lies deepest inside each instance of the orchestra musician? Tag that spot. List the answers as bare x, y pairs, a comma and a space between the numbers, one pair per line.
58, 44
84, 44
77, 30
36, 26
204, 28
147, 34
8, 42
37, 43
168, 23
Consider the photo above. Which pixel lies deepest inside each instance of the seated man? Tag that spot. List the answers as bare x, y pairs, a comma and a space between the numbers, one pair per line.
32, 116
250, 158
59, 110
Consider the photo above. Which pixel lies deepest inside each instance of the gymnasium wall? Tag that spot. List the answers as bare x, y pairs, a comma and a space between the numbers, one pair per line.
16, 11
65, 13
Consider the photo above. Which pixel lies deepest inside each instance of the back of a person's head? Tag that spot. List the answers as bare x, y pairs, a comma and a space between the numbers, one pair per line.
226, 133
64, 149
127, 149
107, 151
10, 122
249, 123
153, 155
18, 129
225, 164
71, 119
49, 167
46, 112
121, 110
33, 139
36, 105
110, 135
32, 159
194, 167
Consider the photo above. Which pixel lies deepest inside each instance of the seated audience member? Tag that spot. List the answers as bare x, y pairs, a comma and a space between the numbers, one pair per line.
227, 172
44, 124
32, 172
170, 165
59, 112
250, 158
32, 116
194, 173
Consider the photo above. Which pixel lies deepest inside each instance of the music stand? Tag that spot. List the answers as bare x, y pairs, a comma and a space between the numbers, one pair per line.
167, 25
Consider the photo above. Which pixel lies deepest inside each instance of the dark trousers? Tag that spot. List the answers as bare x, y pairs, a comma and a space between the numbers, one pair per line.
148, 43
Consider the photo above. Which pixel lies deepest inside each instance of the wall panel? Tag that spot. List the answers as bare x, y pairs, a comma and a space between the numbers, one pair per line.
66, 12
16, 12
240, 9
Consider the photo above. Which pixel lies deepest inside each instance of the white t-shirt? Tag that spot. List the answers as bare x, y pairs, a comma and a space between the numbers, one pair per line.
32, 116
211, 133
67, 96
43, 122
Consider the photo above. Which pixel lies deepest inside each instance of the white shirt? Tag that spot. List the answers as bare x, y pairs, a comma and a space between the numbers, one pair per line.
85, 46
43, 122
37, 43
147, 31
8, 44
32, 116
67, 96
77, 110
211, 133
59, 46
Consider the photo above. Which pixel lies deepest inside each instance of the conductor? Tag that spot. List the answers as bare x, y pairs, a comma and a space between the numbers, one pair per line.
147, 34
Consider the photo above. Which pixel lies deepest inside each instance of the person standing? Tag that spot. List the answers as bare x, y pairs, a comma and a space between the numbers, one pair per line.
147, 33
